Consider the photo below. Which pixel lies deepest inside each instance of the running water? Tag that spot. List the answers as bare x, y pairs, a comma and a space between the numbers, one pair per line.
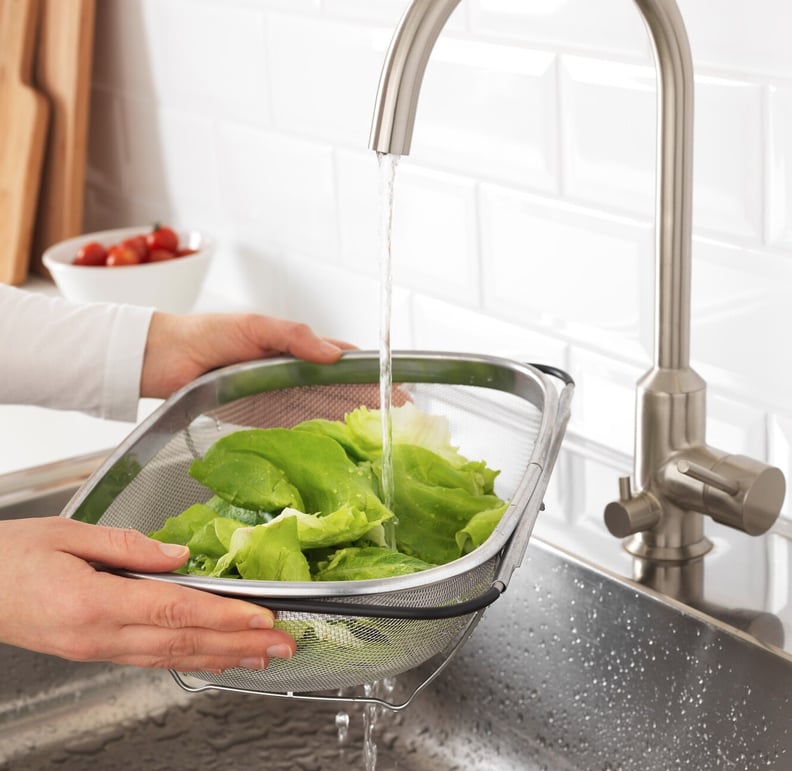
387, 173
384, 688
371, 714
380, 689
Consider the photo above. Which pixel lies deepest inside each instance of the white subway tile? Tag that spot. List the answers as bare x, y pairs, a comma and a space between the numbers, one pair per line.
588, 486
324, 76
435, 233
295, 6
779, 167
608, 25
571, 270
740, 311
604, 406
198, 55
445, 327
780, 559
728, 158
280, 189
736, 571
169, 156
736, 35
387, 12
736, 427
780, 454
491, 111
609, 133
360, 209
251, 277
220, 66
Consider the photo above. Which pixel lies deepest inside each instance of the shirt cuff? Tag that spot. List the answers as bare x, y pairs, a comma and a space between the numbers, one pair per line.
124, 363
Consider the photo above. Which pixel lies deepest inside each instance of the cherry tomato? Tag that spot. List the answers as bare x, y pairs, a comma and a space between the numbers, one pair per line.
92, 253
160, 255
122, 255
162, 237
139, 245
184, 252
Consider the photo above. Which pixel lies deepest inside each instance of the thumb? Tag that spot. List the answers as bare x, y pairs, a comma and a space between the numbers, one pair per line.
122, 548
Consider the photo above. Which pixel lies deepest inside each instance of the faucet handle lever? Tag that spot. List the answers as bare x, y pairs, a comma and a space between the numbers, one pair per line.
707, 476
631, 513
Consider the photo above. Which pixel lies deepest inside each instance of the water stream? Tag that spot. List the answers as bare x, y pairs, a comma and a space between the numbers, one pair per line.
387, 175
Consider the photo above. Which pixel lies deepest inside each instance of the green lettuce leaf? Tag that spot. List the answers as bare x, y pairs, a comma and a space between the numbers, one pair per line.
313, 467
434, 499
245, 516
243, 477
478, 529
359, 563
269, 552
341, 526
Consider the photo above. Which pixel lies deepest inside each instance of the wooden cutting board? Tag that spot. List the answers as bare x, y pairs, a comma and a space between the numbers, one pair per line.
23, 127
63, 74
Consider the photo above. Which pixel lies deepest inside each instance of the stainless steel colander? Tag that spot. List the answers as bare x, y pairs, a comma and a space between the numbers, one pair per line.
509, 414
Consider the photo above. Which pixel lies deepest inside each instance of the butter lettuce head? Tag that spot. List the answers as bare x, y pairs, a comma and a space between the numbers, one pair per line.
305, 503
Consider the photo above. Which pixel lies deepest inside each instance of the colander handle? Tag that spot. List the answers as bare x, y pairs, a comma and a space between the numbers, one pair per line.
410, 612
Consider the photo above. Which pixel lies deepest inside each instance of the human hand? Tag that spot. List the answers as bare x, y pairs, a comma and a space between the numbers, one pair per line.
180, 348
53, 601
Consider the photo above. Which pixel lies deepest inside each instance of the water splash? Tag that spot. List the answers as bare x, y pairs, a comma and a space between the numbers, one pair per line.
381, 689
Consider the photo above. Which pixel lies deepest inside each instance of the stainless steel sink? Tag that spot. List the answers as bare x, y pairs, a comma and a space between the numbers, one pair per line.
573, 668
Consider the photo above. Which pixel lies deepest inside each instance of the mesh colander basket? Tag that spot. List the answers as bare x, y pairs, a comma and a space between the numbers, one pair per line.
510, 414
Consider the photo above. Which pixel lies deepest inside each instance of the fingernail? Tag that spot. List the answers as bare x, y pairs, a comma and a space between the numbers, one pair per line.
262, 621
174, 550
254, 662
279, 651
329, 348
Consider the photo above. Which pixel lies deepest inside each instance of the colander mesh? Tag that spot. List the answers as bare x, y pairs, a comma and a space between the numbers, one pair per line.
344, 650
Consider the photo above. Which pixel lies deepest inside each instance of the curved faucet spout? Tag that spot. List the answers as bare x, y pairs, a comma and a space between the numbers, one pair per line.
397, 103
678, 475
403, 72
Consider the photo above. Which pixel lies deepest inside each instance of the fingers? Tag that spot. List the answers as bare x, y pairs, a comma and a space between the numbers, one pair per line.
190, 630
301, 341
118, 547
191, 650
170, 606
152, 623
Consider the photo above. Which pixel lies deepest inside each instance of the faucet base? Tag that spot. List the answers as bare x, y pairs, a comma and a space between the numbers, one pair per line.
642, 550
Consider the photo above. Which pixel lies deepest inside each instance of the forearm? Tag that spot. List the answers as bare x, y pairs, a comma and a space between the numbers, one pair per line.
73, 357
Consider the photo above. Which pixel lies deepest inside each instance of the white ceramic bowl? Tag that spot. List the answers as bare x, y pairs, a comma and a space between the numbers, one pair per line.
170, 285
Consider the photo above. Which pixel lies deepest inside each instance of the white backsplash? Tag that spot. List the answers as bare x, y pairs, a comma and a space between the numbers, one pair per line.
524, 216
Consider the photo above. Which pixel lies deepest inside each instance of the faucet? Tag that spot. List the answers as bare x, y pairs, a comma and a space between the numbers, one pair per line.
679, 478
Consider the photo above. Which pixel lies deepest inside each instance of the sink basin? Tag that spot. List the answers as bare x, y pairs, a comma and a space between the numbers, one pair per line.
573, 668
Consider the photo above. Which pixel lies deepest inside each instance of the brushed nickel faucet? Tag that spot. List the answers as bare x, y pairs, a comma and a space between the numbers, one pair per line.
679, 477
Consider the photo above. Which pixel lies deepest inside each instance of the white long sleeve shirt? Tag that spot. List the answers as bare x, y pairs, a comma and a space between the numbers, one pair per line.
54, 353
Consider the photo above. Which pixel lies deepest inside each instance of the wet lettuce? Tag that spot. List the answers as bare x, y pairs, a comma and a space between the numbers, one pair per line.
305, 503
